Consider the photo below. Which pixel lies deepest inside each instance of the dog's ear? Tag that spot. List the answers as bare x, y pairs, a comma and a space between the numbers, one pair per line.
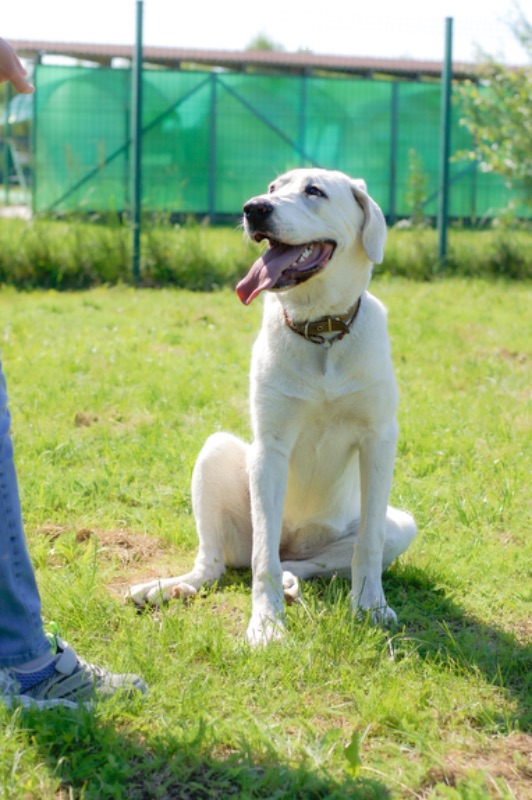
374, 227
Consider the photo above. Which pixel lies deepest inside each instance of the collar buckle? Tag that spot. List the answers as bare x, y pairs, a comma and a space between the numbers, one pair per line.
313, 331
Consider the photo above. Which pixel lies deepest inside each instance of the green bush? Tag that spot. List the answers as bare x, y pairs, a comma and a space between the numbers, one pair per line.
62, 255
77, 254
501, 252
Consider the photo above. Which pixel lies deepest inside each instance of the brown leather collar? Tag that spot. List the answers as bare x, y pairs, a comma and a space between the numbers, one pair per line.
313, 331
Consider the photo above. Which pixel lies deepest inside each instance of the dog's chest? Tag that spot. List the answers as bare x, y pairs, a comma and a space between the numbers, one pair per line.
323, 466
331, 421
336, 383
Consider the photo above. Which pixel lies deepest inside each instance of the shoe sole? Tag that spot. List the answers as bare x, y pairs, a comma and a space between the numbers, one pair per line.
31, 702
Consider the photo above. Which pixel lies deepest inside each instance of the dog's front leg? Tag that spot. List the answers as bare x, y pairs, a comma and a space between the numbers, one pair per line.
377, 454
268, 473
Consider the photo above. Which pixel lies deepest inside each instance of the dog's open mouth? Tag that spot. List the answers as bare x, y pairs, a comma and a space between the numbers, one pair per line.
283, 266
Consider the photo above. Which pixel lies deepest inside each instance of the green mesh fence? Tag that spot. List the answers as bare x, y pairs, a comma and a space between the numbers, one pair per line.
211, 140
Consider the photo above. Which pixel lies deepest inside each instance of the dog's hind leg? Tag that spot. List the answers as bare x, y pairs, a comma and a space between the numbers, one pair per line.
334, 559
400, 532
336, 556
220, 501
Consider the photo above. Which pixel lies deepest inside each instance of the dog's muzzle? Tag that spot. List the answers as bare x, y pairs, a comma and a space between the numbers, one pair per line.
283, 265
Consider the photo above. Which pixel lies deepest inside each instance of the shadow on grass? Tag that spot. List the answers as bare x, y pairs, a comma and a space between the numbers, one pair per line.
445, 632
94, 760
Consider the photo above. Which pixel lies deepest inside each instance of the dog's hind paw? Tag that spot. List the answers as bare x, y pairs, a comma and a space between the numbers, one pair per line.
291, 589
157, 592
183, 591
152, 593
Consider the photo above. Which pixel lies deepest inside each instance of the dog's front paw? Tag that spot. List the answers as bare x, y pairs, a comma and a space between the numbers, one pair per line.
157, 592
263, 630
383, 615
379, 612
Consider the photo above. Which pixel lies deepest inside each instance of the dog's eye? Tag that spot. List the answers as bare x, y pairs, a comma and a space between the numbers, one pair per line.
271, 188
314, 191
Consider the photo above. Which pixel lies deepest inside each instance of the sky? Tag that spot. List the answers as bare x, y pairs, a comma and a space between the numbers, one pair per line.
380, 28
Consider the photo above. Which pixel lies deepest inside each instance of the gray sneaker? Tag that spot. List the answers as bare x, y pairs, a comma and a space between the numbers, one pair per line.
67, 681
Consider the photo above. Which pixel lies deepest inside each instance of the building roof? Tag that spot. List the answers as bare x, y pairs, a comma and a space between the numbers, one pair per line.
299, 63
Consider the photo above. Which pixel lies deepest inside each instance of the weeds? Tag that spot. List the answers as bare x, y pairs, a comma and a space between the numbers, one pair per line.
55, 254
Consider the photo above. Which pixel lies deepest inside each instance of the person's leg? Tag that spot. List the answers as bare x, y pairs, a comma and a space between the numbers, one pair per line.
22, 637
36, 670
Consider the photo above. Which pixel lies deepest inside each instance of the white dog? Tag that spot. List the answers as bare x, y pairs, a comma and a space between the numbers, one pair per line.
309, 496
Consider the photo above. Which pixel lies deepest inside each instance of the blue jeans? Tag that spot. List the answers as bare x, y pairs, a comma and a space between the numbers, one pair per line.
22, 636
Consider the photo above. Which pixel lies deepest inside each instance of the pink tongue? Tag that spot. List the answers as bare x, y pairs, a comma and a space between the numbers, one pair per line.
267, 270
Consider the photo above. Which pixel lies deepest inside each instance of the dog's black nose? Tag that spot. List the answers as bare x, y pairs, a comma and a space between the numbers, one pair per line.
257, 211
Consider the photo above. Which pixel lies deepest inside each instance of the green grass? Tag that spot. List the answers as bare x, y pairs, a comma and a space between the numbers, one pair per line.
112, 393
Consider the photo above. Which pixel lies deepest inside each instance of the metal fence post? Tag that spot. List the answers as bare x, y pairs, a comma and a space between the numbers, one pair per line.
7, 134
212, 147
136, 144
394, 144
303, 117
445, 141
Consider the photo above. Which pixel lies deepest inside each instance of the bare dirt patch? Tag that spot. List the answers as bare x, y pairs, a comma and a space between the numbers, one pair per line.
138, 557
522, 630
507, 763
84, 419
507, 355
128, 557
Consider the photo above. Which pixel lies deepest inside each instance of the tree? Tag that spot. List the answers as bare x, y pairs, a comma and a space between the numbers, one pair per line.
263, 42
497, 112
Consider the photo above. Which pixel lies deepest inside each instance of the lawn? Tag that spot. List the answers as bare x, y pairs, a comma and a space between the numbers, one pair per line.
112, 393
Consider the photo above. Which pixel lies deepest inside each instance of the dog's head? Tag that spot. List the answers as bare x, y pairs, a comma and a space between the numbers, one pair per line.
309, 216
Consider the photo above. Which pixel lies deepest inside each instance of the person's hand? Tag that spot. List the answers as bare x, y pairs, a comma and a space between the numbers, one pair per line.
12, 70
